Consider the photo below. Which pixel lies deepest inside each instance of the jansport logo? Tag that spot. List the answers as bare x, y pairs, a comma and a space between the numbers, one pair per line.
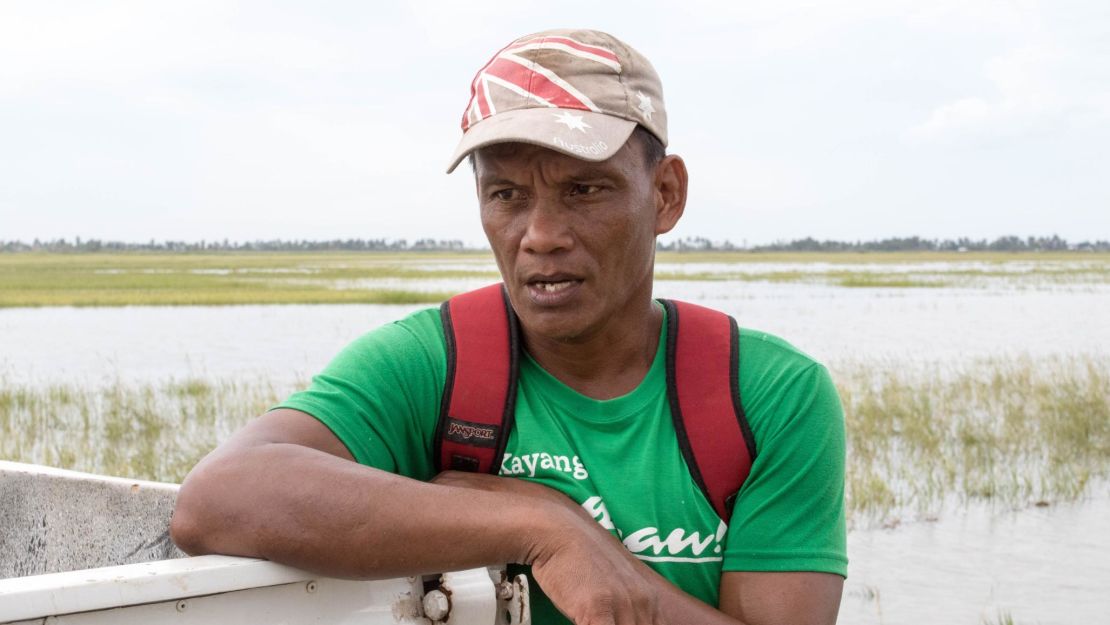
649, 543
470, 433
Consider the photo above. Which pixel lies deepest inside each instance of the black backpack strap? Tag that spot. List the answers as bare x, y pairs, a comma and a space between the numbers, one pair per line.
479, 394
703, 388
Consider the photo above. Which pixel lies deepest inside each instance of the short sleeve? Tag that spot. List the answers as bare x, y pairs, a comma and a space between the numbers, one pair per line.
789, 515
380, 396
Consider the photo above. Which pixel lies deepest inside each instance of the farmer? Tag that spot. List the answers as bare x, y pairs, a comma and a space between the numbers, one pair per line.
595, 492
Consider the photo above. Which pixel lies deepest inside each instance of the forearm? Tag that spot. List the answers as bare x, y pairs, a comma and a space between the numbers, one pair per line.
313, 510
746, 597
677, 607
790, 597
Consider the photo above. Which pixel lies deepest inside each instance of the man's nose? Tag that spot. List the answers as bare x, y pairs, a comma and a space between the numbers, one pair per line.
548, 229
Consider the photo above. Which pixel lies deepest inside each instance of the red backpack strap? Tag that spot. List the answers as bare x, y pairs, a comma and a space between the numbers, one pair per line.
479, 394
703, 387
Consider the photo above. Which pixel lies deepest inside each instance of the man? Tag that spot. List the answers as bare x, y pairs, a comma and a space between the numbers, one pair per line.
566, 131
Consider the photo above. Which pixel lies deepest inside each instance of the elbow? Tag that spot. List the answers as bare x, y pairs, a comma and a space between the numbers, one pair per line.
215, 511
187, 527
184, 533
198, 523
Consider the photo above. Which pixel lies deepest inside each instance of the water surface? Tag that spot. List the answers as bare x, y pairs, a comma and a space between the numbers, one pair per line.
1041, 565
286, 343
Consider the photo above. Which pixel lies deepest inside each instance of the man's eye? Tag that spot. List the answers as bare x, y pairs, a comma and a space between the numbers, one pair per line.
584, 189
505, 195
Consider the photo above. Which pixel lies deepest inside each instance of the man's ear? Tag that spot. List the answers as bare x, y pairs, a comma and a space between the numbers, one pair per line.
670, 183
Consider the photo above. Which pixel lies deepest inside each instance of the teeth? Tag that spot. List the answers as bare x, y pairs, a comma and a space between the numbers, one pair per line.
552, 287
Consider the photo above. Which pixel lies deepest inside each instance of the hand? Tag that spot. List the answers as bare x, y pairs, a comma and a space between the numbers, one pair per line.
585, 571
590, 576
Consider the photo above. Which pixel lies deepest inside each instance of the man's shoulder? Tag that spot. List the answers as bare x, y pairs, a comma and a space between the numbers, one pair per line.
763, 348
771, 369
421, 326
412, 341
425, 323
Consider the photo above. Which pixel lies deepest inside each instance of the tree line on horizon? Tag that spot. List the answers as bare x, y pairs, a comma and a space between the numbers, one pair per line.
895, 244
273, 245
689, 244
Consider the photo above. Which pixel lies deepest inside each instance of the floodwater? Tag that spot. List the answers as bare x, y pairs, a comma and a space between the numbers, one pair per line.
1039, 565
284, 344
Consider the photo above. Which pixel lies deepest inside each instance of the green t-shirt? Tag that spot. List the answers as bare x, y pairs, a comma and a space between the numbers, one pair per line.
619, 458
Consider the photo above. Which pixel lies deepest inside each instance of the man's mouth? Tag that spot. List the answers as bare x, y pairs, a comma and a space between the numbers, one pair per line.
552, 290
554, 287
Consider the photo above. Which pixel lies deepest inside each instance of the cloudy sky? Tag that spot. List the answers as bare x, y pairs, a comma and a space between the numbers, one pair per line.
254, 120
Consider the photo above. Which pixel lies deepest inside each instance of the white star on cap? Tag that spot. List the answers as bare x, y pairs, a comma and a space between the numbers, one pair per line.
574, 122
645, 105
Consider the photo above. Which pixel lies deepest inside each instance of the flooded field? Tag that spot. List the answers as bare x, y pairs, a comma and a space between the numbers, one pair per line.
977, 391
1039, 565
390, 278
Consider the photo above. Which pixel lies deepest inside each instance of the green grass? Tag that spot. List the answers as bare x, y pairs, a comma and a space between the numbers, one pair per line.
162, 279
1010, 433
146, 431
888, 282
1002, 617
220, 279
898, 270
854, 258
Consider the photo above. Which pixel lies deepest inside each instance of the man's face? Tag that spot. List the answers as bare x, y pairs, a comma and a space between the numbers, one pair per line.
574, 240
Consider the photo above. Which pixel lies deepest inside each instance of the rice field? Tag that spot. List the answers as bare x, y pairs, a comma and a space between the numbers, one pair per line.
976, 389
45, 279
145, 431
1009, 433
202, 279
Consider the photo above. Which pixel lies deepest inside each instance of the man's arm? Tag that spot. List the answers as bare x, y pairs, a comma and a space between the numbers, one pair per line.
787, 597
284, 488
746, 598
756, 598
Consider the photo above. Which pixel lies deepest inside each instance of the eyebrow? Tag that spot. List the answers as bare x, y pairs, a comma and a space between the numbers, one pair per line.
588, 173
491, 180
593, 173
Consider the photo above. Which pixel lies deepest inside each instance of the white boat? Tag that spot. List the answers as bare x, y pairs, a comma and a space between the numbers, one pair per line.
83, 549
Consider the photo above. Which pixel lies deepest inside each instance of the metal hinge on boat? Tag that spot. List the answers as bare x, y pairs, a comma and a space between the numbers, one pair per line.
477, 596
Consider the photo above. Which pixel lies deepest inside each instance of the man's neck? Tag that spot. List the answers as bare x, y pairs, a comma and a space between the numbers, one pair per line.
611, 361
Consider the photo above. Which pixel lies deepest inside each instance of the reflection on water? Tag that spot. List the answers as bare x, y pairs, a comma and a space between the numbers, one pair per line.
284, 343
1041, 565
153, 343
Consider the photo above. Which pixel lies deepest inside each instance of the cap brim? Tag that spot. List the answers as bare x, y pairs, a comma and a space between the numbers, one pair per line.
582, 134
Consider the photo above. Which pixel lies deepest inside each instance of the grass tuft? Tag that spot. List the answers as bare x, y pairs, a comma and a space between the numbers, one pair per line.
1002, 617
1008, 432
145, 431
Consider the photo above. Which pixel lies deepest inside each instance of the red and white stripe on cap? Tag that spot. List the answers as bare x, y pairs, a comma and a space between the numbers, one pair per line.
529, 79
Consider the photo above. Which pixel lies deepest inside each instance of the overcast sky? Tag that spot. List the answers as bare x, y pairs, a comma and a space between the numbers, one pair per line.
848, 120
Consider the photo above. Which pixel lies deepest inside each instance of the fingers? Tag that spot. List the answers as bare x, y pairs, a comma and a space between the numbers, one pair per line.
626, 611
633, 605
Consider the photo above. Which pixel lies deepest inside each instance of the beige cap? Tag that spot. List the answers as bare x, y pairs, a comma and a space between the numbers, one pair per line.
579, 92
